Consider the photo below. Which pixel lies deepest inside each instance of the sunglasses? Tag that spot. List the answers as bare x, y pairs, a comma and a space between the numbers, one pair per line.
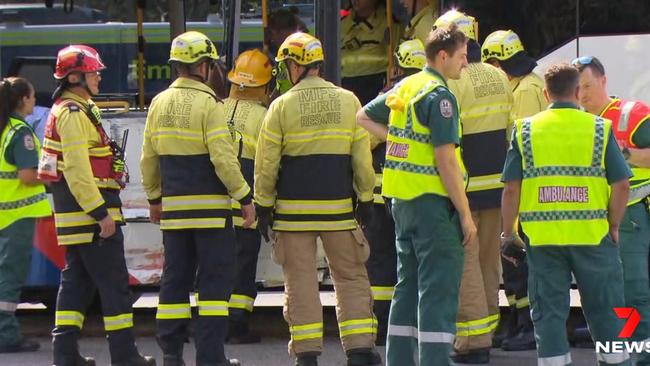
584, 60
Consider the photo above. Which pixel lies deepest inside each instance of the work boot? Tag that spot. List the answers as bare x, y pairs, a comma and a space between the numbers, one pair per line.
363, 357
507, 328
24, 345
306, 359
65, 349
137, 360
75, 361
523, 341
239, 333
173, 360
230, 362
479, 356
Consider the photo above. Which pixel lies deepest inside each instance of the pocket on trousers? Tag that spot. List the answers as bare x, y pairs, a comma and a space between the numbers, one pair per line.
277, 251
362, 248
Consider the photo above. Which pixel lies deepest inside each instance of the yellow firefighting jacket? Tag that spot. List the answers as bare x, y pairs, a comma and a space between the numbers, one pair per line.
528, 93
312, 157
189, 159
422, 23
364, 46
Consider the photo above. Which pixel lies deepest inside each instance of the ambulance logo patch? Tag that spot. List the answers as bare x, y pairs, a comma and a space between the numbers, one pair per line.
446, 109
28, 142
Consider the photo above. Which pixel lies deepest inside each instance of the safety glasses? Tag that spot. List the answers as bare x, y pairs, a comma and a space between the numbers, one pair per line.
584, 60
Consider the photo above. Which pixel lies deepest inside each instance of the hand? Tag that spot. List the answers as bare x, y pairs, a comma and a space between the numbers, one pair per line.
512, 249
155, 211
248, 213
613, 233
364, 213
107, 227
469, 230
264, 220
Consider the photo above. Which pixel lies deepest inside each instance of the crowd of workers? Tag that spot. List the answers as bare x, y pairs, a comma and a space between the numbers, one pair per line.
426, 188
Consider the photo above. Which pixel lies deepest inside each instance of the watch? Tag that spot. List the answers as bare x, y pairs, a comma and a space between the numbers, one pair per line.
626, 153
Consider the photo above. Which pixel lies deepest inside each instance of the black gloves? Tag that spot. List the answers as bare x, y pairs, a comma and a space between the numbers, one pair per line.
364, 213
264, 220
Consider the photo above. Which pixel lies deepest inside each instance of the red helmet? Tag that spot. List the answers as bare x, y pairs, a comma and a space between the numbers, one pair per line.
77, 58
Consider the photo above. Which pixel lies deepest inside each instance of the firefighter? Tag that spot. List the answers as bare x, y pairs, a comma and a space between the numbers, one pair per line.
632, 132
85, 169
189, 169
364, 49
423, 14
423, 174
244, 110
559, 171
504, 50
380, 231
283, 22
485, 102
22, 201
310, 135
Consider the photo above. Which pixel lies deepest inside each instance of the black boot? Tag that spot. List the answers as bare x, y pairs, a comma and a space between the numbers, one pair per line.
307, 359
240, 333
479, 356
65, 350
137, 360
230, 362
524, 339
507, 328
363, 357
173, 360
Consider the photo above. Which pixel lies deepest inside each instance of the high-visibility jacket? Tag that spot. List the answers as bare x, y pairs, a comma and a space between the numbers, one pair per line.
528, 94
364, 46
189, 160
17, 200
80, 159
312, 157
410, 169
626, 117
564, 192
485, 102
421, 24
245, 120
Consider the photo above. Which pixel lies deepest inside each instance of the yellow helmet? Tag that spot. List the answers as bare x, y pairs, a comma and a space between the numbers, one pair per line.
410, 54
191, 47
302, 48
501, 45
467, 24
252, 69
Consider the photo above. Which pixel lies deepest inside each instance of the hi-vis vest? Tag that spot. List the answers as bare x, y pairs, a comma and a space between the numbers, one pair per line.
363, 45
410, 168
626, 117
564, 193
17, 200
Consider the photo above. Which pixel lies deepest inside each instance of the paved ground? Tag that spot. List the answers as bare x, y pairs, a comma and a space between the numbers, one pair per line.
267, 321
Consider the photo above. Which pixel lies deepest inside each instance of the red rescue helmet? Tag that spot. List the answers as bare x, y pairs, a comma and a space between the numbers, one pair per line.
77, 58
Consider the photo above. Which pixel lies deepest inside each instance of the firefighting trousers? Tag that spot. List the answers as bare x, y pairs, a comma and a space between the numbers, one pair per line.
210, 255
244, 293
478, 310
346, 252
15, 254
599, 274
98, 266
429, 269
634, 244
382, 263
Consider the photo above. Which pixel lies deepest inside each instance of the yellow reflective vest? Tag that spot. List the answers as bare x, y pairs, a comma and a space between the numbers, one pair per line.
485, 101
17, 200
564, 192
410, 169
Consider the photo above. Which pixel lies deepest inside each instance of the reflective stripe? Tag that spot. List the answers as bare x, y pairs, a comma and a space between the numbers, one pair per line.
522, 303
174, 311
71, 318
382, 293
477, 327
562, 215
70, 239
562, 360
118, 322
511, 300
72, 219
313, 207
573, 171
212, 308
87, 207
272, 136
8, 306
100, 151
11, 205
624, 121
378, 199
408, 134
9, 175
241, 192
613, 358
435, 337
314, 225
358, 326
180, 134
484, 183
332, 133
360, 134
410, 168
306, 331
216, 133
238, 221
196, 202
241, 302
639, 193
107, 183
402, 331
194, 223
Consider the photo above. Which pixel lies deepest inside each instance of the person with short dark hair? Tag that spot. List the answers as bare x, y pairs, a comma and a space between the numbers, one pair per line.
424, 177
630, 121
283, 22
568, 184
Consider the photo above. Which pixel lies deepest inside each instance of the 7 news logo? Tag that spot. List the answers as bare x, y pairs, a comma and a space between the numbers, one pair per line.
632, 322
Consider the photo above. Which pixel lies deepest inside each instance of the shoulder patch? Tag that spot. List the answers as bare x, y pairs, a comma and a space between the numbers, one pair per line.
73, 107
28, 142
446, 108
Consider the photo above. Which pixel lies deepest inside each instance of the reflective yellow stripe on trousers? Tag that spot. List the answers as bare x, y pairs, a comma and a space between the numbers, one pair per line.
241, 302
212, 308
358, 326
382, 293
117, 322
477, 327
68, 317
174, 311
306, 331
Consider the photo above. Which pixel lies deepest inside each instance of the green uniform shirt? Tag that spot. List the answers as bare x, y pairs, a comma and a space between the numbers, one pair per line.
444, 130
615, 165
21, 149
641, 137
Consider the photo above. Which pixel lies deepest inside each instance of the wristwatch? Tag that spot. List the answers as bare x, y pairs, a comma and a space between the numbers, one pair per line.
626, 153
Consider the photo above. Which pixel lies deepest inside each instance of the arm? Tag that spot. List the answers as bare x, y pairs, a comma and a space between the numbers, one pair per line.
617, 206
21, 152
29, 177
380, 130
510, 206
150, 163
640, 157
364, 174
267, 157
374, 116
